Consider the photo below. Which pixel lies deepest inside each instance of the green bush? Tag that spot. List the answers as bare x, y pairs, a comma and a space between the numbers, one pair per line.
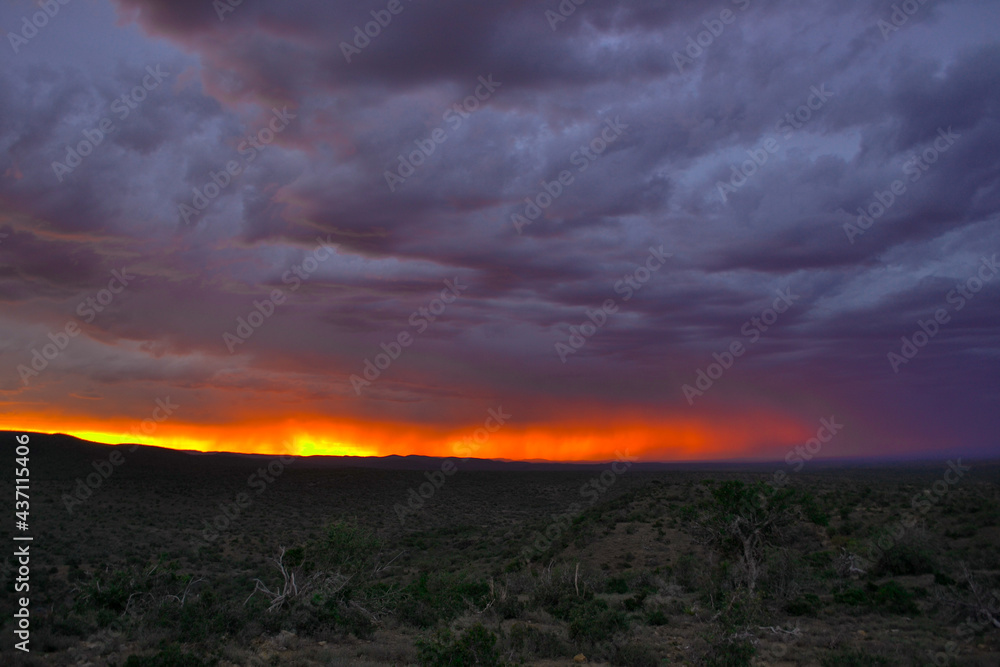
657, 617
846, 658
731, 653
71, 625
895, 599
559, 598
594, 622
531, 643
198, 622
172, 656
686, 572
942, 579
441, 598
890, 597
904, 559
509, 608
111, 591
804, 605
819, 559
334, 613
635, 602
616, 585
344, 546
852, 596
635, 655
475, 646
812, 510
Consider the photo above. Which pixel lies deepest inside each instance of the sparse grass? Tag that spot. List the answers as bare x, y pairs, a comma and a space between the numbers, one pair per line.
475, 646
854, 658
629, 582
890, 598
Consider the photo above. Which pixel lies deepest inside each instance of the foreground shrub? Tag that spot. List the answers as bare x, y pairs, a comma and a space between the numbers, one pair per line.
559, 598
475, 646
745, 522
332, 582
593, 622
434, 599
635, 655
172, 656
890, 597
804, 605
904, 559
530, 643
847, 658
730, 653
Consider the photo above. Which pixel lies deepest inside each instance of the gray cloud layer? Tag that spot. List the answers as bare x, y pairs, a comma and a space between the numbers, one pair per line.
891, 92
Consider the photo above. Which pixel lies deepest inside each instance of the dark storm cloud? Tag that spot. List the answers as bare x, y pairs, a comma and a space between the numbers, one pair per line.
658, 183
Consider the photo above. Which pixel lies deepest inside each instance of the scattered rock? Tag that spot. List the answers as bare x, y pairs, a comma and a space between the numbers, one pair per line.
580, 658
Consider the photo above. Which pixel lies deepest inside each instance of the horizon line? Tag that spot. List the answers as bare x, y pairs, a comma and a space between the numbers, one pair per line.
917, 458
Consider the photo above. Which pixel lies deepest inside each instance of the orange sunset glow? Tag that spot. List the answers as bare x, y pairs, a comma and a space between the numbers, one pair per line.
572, 440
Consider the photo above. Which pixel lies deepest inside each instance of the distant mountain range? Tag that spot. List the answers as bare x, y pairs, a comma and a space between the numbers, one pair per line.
67, 451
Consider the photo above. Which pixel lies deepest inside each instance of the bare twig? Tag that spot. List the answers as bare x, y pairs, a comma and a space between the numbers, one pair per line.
781, 631
321, 582
982, 605
370, 615
379, 568
849, 564
288, 590
183, 596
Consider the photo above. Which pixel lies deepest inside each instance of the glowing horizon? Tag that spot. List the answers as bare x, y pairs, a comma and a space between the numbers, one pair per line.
682, 440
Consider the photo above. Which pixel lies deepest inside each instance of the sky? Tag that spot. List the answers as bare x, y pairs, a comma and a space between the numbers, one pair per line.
530, 230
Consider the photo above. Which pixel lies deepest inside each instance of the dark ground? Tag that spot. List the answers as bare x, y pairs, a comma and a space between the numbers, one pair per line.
644, 567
